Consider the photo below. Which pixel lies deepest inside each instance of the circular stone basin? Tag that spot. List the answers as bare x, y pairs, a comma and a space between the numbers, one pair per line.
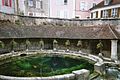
43, 65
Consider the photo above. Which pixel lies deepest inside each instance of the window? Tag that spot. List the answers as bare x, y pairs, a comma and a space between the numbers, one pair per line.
37, 4
30, 2
58, 13
65, 14
30, 13
82, 6
59, 2
65, 2
7, 3
41, 4
105, 14
114, 12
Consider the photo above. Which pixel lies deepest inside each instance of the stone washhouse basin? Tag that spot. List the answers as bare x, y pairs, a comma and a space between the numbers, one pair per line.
73, 75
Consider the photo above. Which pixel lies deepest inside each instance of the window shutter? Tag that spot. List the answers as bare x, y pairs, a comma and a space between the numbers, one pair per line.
10, 1
3, 2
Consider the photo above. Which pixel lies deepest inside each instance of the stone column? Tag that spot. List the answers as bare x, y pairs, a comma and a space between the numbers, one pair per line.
114, 50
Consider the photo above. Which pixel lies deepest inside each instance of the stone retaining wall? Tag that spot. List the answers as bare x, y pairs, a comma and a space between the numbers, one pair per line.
75, 75
26, 20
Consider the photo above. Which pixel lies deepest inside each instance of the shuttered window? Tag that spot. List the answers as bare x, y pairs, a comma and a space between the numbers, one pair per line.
7, 3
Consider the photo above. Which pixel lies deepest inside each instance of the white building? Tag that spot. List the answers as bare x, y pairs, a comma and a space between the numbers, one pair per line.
106, 9
62, 8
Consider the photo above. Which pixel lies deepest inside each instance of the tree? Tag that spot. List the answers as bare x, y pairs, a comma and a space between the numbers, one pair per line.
79, 44
41, 42
100, 46
2, 45
28, 43
67, 43
55, 44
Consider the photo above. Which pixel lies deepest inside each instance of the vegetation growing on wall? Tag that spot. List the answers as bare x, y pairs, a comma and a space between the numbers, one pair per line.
67, 44
2, 45
13, 44
79, 44
28, 43
41, 43
100, 46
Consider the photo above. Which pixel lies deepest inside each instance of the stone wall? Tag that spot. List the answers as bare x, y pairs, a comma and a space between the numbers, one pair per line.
26, 20
87, 46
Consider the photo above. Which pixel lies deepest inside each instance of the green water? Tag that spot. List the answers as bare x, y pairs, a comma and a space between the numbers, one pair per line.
43, 65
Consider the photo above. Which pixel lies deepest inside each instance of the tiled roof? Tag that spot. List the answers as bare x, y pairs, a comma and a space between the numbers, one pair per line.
101, 4
49, 31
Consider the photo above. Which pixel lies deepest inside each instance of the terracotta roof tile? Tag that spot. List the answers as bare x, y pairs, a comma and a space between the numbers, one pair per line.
47, 31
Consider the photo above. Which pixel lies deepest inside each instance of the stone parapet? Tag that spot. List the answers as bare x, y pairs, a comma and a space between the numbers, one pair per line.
28, 20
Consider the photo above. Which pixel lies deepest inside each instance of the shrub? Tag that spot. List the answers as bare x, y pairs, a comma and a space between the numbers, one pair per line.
2, 44
28, 43
13, 44
100, 46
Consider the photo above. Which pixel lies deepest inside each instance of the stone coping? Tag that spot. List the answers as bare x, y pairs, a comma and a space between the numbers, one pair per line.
59, 77
71, 76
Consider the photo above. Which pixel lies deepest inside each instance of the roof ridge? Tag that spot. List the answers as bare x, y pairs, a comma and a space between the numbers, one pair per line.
112, 32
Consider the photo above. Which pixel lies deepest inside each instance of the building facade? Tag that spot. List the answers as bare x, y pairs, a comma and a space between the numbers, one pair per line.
106, 9
62, 9
7, 6
37, 8
82, 8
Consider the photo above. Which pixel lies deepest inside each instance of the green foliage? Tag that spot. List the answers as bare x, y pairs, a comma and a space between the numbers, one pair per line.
55, 41
79, 43
67, 43
28, 43
100, 46
13, 43
2, 45
23, 64
17, 22
41, 42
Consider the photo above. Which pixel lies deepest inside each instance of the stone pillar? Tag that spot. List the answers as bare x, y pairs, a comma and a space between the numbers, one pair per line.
82, 74
100, 68
114, 50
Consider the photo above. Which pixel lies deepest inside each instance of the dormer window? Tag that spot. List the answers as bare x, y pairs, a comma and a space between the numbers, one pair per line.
107, 2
